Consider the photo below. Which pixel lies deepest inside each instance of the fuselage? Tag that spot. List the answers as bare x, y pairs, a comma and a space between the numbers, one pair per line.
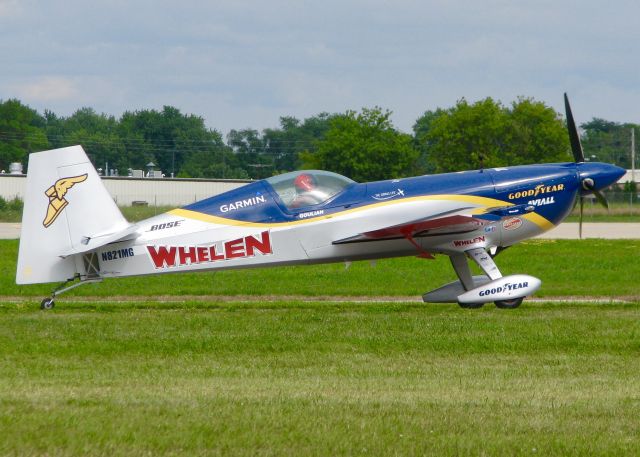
261, 224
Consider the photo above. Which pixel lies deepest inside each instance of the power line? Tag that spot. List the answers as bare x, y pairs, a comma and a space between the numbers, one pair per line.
149, 145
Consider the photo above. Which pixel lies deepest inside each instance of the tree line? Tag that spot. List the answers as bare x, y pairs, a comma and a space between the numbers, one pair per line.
363, 145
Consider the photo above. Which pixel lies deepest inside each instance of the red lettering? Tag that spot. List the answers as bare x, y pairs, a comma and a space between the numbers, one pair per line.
263, 246
203, 254
162, 257
185, 255
459, 243
234, 248
213, 255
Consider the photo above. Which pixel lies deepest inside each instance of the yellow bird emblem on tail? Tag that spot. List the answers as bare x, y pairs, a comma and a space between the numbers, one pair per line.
56, 195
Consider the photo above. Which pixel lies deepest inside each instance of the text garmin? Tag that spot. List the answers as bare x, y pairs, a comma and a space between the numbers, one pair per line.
243, 203
177, 256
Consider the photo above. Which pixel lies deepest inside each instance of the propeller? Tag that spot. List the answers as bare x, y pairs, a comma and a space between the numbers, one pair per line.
578, 154
574, 138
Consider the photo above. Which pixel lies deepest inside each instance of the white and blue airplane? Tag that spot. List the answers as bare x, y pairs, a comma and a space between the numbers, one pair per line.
73, 232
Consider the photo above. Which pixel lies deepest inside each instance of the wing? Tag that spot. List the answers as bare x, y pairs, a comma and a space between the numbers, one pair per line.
444, 224
421, 227
64, 184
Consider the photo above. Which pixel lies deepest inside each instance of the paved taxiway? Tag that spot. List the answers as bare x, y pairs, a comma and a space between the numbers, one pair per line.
567, 231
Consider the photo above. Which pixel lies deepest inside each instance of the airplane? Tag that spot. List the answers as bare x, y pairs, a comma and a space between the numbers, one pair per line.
73, 232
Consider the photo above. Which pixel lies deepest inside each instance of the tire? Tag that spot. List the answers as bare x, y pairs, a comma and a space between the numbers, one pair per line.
47, 303
471, 305
509, 304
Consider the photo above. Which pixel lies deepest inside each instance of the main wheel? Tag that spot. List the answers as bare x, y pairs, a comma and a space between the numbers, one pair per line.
47, 303
471, 305
509, 304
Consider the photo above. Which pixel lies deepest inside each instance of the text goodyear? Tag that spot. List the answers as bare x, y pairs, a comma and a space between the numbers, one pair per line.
539, 189
504, 288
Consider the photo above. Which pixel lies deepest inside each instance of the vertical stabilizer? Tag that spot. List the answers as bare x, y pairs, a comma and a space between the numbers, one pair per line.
65, 206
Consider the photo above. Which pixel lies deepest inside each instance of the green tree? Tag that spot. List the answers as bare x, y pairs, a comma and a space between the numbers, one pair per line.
97, 133
607, 141
249, 147
22, 131
168, 138
421, 140
538, 134
364, 146
286, 143
487, 134
216, 161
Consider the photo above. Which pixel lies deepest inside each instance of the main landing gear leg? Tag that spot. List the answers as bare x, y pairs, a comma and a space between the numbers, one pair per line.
49, 302
486, 263
461, 267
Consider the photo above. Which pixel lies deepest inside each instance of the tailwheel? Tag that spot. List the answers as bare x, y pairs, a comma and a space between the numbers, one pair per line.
471, 305
47, 303
509, 304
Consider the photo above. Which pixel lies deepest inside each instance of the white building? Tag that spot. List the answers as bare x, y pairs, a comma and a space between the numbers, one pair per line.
152, 191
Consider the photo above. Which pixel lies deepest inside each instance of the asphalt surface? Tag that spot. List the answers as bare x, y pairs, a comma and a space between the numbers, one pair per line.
567, 231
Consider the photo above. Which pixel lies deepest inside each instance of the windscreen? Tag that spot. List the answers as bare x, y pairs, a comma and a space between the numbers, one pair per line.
300, 189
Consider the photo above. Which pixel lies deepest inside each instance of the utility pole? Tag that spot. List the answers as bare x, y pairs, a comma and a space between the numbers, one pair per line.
633, 154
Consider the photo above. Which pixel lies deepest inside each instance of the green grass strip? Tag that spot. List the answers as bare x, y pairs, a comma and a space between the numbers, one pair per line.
587, 268
291, 378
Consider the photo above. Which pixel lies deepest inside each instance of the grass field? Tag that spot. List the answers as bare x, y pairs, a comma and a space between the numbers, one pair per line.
579, 268
103, 374
617, 212
291, 378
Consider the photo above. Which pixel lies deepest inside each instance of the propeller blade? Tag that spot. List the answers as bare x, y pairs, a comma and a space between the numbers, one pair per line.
600, 197
588, 184
574, 138
581, 211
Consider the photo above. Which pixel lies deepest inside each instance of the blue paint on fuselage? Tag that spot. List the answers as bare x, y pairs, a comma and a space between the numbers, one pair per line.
551, 188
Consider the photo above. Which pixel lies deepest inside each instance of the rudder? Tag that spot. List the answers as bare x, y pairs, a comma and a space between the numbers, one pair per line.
65, 206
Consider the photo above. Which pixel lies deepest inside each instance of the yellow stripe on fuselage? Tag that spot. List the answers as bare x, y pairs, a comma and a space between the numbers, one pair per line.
485, 202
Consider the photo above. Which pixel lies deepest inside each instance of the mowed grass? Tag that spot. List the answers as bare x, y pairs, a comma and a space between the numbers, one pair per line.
292, 378
104, 375
617, 212
581, 268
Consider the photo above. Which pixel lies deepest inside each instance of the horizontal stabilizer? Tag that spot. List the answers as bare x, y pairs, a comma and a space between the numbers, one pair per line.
89, 243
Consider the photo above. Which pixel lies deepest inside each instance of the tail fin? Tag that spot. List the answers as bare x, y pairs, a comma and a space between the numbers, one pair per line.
66, 209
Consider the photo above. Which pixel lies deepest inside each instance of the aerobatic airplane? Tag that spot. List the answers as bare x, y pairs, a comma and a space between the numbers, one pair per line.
73, 232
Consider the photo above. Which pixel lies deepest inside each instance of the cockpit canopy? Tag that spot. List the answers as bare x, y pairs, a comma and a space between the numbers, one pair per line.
300, 189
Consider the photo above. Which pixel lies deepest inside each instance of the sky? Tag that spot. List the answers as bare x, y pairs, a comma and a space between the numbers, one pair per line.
244, 64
